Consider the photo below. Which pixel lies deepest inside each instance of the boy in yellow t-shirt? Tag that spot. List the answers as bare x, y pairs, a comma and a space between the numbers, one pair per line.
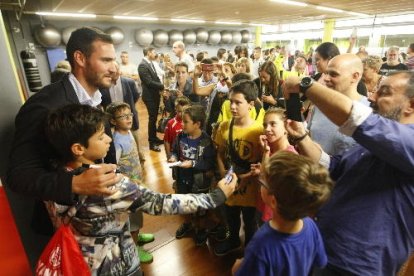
238, 146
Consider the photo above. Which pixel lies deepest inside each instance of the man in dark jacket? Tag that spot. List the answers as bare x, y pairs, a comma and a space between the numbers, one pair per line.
151, 88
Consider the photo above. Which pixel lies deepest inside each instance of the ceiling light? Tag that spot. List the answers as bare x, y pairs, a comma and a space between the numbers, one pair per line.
357, 14
293, 3
187, 20
67, 14
228, 23
143, 18
328, 9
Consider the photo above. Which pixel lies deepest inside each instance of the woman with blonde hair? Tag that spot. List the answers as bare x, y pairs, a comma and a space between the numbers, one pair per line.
371, 76
243, 65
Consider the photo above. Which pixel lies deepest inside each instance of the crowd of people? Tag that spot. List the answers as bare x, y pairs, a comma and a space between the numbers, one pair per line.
330, 194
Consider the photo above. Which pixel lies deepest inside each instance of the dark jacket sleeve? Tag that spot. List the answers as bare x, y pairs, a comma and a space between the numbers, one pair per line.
207, 160
29, 171
146, 78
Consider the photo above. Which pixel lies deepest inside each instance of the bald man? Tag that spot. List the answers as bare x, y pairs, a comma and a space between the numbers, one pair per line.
343, 74
179, 51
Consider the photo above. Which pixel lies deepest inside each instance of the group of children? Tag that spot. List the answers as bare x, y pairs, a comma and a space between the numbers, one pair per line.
271, 178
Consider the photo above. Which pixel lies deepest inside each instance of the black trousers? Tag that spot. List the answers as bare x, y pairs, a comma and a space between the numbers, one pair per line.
234, 222
152, 106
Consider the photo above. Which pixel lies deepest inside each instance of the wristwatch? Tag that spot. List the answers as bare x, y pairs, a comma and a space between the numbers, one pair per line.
305, 83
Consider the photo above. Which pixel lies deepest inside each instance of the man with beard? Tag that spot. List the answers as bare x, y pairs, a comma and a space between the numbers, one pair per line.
91, 55
368, 223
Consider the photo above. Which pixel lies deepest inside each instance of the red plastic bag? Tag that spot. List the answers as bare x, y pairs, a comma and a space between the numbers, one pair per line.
62, 256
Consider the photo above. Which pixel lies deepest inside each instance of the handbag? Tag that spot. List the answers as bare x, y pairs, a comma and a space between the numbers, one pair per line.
62, 255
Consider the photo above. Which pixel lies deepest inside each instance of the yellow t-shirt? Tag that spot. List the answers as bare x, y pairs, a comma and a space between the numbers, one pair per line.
225, 113
247, 145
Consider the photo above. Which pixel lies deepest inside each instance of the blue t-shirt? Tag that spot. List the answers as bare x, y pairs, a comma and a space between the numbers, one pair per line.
271, 252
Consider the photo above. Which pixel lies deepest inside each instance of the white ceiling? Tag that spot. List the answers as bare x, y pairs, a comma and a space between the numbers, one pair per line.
246, 11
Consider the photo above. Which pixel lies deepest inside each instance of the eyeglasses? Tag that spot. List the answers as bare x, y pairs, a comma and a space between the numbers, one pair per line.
125, 116
263, 183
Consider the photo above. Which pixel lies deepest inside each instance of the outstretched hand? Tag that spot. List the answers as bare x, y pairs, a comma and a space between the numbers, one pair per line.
294, 128
96, 181
228, 188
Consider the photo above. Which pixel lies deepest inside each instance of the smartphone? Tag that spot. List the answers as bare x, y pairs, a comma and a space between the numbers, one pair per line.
229, 175
293, 108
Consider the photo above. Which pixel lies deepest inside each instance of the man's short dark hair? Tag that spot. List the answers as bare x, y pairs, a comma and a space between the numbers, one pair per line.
221, 52
72, 124
146, 50
246, 87
200, 56
327, 50
241, 76
411, 46
82, 40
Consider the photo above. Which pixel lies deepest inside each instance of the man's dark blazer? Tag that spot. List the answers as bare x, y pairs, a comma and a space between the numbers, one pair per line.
131, 96
151, 84
29, 171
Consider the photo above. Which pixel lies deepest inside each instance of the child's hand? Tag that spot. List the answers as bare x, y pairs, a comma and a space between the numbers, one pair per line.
172, 159
255, 169
228, 188
186, 164
264, 143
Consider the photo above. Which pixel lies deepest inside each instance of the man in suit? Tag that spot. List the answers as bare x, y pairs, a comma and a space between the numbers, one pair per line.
151, 88
124, 90
91, 54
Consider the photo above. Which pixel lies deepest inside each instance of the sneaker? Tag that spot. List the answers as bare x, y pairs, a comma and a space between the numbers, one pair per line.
220, 232
145, 238
201, 237
226, 247
183, 230
144, 256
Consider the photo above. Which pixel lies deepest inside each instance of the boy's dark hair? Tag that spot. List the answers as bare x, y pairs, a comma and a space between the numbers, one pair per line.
299, 185
115, 107
214, 59
207, 61
72, 124
246, 87
240, 76
182, 101
196, 113
82, 40
181, 64
146, 50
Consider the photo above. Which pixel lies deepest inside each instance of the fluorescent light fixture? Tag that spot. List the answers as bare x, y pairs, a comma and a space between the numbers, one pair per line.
261, 25
329, 9
142, 18
228, 23
293, 3
67, 14
357, 14
187, 20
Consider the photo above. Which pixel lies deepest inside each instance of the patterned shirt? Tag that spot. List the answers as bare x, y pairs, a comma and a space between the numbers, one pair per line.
101, 224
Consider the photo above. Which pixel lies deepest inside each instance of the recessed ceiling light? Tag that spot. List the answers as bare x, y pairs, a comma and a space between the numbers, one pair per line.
228, 23
329, 9
67, 14
288, 2
143, 18
187, 20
